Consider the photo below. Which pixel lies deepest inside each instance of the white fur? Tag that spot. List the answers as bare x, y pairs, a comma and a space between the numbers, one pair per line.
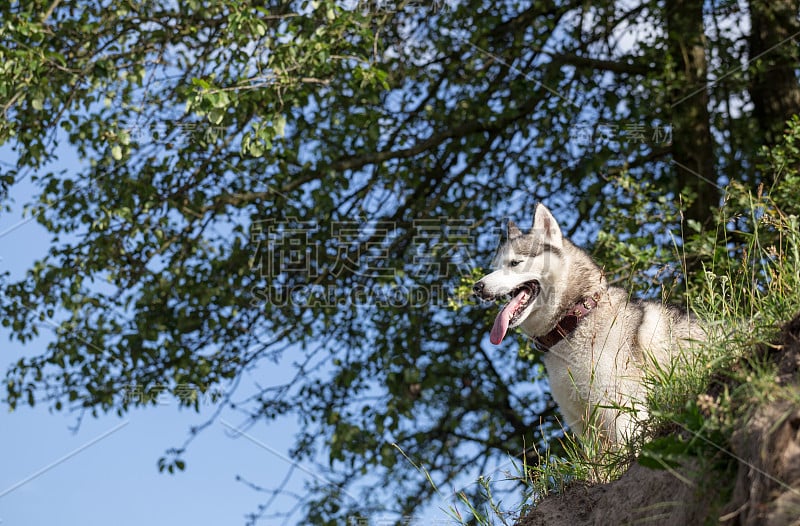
599, 368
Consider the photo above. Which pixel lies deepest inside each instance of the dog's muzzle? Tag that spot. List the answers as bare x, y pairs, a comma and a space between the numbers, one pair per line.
479, 290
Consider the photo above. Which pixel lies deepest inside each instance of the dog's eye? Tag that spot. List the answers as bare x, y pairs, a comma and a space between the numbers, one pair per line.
514, 263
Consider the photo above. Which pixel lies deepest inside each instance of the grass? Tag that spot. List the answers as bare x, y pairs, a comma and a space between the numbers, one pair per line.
744, 285
748, 284
748, 287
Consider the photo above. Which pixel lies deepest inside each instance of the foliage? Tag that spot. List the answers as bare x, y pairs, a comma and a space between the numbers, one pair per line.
306, 183
749, 288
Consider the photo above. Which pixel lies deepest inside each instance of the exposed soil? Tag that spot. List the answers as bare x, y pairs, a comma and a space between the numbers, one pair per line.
766, 490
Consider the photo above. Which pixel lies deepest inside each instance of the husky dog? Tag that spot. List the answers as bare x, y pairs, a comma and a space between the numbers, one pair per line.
597, 342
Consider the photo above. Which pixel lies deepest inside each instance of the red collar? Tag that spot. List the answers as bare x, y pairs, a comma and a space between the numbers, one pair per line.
568, 323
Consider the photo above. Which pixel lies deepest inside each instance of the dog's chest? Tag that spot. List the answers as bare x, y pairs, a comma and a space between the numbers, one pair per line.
595, 364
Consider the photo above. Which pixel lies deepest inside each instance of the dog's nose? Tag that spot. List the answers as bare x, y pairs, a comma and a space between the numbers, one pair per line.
477, 289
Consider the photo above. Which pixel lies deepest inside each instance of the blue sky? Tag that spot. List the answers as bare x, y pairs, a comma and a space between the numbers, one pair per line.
106, 471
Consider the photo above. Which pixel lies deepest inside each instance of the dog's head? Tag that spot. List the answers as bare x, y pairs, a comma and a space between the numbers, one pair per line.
524, 264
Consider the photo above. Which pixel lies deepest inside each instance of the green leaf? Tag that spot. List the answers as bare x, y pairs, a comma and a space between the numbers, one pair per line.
279, 125
256, 149
216, 115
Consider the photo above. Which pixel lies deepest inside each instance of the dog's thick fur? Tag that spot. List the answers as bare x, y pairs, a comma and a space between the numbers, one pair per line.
596, 372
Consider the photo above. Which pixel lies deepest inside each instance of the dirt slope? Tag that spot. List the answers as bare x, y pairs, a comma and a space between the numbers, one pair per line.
766, 489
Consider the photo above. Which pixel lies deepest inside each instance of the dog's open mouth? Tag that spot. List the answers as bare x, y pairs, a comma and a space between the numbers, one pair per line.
511, 315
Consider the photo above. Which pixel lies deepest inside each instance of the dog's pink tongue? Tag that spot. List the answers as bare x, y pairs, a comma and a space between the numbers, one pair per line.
500, 326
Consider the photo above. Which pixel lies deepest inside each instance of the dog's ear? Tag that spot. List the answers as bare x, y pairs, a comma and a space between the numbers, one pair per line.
513, 230
546, 225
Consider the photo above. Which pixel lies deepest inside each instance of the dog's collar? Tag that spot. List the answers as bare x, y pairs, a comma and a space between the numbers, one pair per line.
568, 323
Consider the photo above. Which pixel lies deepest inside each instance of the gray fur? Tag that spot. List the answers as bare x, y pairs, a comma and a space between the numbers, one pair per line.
603, 362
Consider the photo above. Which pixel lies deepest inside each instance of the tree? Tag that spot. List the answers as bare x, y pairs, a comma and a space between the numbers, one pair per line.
774, 86
692, 147
262, 181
